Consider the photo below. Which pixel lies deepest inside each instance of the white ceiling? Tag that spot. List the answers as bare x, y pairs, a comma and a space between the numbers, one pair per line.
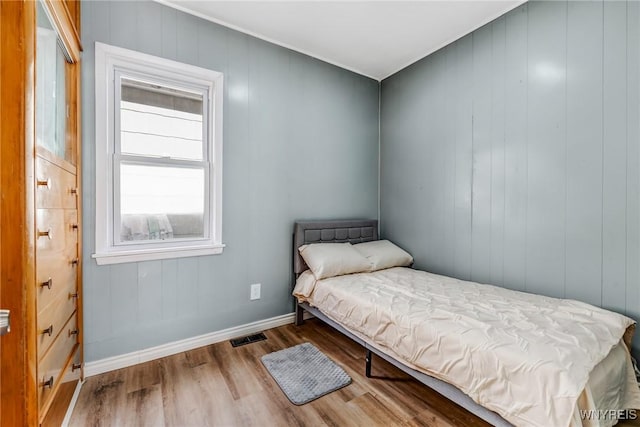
373, 38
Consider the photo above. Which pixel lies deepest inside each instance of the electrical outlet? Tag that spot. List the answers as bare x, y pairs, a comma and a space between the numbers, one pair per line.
255, 291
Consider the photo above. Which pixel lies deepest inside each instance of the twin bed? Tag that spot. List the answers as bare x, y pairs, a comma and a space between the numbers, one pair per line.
511, 358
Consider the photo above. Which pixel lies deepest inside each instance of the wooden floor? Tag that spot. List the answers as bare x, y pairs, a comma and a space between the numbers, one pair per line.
220, 385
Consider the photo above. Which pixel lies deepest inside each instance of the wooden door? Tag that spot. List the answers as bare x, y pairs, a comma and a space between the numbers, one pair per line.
17, 370
0, 227
0, 234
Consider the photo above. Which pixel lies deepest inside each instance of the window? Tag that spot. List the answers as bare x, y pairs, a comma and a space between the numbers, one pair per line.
158, 158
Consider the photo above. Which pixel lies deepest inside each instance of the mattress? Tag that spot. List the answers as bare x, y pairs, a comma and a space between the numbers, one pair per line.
535, 360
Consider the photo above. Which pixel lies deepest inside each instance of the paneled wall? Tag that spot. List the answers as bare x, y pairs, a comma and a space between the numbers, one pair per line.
300, 141
511, 156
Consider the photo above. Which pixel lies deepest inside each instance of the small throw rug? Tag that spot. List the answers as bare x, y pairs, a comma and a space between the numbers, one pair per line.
304, 373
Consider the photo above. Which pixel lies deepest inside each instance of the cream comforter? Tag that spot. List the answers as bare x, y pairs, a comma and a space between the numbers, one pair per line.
526, 357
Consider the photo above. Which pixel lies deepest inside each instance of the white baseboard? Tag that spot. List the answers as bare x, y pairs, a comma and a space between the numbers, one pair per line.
141, 356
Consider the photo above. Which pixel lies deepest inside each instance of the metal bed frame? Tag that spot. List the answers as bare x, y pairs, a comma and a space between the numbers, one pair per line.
358, 231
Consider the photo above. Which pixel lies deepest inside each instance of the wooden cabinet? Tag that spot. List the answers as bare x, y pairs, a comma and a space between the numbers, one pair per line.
57, 205
40, 209
57, 260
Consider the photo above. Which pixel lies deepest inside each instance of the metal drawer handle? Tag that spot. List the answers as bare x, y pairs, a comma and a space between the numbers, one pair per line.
73, 295
74, 226
75, 366
73, 191
73, 332
44, 183
45, 234
48, 383
75, 261
5, 322
48, 283
48, 331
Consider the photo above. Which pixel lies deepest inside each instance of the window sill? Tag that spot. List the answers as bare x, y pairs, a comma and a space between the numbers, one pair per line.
121, 257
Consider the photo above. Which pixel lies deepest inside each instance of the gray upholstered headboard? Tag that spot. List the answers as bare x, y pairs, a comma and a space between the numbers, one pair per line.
338, 231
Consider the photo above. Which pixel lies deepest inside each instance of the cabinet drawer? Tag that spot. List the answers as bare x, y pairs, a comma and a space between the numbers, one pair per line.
74, 369
52, 366
54, 276
55, 233
56, 406
55, 187
52, 319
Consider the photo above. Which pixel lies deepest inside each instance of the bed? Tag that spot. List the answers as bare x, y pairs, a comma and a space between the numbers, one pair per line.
478, 374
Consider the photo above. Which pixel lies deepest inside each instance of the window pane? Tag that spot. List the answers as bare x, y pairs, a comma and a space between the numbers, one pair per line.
51, 100
160, 122
159, 203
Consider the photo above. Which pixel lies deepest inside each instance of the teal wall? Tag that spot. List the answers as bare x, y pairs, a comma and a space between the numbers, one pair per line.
512, 156
300, 141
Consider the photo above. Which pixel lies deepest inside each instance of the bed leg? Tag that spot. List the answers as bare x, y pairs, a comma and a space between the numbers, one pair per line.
299, 315
367, 369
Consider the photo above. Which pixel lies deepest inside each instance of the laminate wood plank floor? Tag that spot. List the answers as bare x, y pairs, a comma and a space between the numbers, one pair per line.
219, 385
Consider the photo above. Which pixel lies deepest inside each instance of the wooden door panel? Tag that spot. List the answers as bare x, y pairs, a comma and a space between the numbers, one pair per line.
18, 400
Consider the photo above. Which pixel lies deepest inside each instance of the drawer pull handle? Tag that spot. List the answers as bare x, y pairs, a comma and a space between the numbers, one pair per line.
45, 234
48, 331
75, 261
48, 383
73, 295
44, 183
74, 226
47, 284
75, 366
73, 332
73, 191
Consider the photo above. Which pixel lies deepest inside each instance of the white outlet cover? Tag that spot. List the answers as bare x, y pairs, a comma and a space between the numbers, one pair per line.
255, 291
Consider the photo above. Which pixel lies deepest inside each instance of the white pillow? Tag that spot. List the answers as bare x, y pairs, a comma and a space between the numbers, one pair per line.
305, 284
333, 259
384, 254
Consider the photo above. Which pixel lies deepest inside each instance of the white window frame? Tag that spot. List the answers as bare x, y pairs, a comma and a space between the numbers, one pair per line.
110, 63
